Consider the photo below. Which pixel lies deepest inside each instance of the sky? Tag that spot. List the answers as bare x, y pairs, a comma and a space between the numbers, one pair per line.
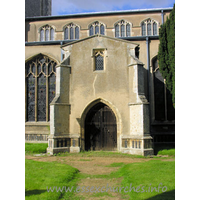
64, 7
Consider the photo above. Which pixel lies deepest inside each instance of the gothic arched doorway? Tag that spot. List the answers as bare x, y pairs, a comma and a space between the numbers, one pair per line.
100, 128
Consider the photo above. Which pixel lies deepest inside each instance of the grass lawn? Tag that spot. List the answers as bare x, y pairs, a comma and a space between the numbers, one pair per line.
146, 177
40, 175
35, 147
139, 180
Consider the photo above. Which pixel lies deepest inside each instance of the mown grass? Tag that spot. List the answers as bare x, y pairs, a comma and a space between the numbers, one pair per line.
40, 175
35, 147
169, 152
146, 177
87, 154
140, 180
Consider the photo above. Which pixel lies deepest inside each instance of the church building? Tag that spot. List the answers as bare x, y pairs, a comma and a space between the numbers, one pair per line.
92, 82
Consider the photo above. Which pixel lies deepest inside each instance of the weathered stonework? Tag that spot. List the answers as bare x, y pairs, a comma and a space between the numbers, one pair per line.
125, 85
77, 86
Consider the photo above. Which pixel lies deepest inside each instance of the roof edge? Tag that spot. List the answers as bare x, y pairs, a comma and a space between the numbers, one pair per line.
98, 35
38, 18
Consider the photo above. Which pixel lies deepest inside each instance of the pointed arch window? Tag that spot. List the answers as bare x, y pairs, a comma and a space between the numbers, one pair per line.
40, 87
97, 28
123, 29
71, 31
149, 27
155, 28
102, 29
99, 55
46, 33
117, 30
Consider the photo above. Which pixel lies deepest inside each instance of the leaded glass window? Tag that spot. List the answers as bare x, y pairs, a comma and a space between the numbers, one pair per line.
30, 97
46, 33
91, 30
102, 29
71, 31
123, 29
41, 35
97, 28
40, 87
66, 33
128, 30
117, 30
149, 27
52, 34
143, 29
99, 59
77, 32
41, 98
154, 28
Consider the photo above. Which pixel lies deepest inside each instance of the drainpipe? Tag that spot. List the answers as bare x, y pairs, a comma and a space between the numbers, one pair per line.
148, 68
61, 43
162, 14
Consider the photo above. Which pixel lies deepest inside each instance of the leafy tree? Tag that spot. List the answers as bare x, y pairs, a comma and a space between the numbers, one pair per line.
166, 54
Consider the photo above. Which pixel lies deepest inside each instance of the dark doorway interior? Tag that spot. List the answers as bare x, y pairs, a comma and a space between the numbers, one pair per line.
100, 129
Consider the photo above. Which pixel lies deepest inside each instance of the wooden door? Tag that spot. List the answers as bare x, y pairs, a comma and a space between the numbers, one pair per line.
100, 129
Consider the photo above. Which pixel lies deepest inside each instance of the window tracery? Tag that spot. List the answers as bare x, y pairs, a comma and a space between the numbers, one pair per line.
71, 31
97, 28
123, 29
46, 33
40, 87
99, 59
149, 27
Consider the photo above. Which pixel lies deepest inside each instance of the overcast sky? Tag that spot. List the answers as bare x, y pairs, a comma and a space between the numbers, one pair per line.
62, 7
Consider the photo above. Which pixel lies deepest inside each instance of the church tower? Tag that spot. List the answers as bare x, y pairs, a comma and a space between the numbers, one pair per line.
37, 8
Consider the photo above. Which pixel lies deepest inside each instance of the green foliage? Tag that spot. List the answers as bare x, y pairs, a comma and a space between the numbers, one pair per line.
166, 54
36, 147
40, 175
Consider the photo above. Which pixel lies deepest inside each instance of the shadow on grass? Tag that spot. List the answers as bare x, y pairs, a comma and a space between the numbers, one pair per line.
164, 196
33, 192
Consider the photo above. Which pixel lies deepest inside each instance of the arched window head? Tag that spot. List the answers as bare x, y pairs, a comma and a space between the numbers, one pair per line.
97, 28
99, 55
149, 27
123, 29
71, 31
46, 33
40, 87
